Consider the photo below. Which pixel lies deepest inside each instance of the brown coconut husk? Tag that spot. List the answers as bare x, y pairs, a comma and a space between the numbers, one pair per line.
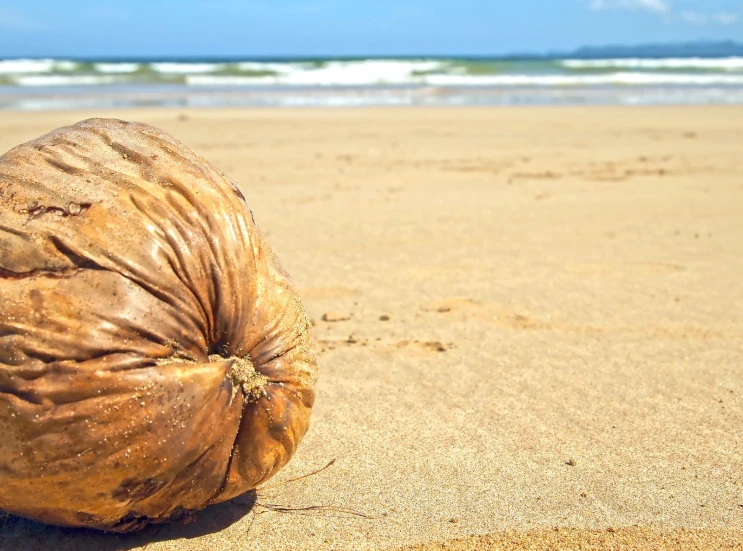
154, 356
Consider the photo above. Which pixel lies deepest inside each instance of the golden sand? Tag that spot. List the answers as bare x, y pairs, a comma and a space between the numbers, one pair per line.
533, 320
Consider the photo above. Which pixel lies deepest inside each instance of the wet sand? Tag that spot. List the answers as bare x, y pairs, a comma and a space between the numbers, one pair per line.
530, 326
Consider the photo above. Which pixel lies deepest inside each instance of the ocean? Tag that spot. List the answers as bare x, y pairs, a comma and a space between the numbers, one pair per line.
39, 84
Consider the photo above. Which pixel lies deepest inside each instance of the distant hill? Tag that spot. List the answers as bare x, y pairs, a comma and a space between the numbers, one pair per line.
689, 49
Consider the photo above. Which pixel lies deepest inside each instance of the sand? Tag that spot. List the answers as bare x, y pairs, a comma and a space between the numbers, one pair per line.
537, 326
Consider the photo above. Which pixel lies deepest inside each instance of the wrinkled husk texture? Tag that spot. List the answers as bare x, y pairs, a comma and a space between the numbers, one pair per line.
154, 356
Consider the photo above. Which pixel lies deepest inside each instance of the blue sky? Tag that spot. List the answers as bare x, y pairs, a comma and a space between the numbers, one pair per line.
347, 27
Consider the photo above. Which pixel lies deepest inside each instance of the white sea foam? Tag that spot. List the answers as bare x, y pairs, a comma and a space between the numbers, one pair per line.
371, 82
619, 78
374, 72
186, 68
268, 66
116, 68
720, 64
228, 80
63, 80
359, 73
320, 78
334, 73
34, 66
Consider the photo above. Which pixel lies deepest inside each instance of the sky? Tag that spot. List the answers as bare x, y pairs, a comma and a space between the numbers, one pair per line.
255, 28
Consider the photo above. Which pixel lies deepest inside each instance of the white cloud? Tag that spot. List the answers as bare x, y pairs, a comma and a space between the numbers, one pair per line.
663, 9
660, 7
726, 18
695, 18
698, 18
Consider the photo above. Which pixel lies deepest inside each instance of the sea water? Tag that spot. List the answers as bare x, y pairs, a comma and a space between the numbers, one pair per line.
33, 84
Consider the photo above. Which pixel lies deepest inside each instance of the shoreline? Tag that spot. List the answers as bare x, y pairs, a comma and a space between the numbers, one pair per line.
39, 99
220, 112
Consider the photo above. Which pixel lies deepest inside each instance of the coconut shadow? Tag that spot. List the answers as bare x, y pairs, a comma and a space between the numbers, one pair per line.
20, 533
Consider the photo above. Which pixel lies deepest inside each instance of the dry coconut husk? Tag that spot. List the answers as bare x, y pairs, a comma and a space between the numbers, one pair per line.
154, 356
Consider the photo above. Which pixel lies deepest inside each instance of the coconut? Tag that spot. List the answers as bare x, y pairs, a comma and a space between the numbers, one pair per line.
155, 357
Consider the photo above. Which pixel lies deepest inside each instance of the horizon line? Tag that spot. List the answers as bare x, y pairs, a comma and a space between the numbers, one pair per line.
731, 43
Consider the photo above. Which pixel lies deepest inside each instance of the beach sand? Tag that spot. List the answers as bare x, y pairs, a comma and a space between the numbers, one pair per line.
540, 335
